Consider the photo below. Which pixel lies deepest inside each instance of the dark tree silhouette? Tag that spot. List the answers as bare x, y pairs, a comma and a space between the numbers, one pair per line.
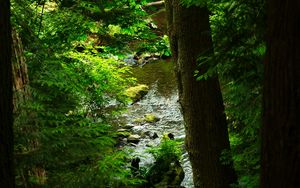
6, 120
280, 162
201, 101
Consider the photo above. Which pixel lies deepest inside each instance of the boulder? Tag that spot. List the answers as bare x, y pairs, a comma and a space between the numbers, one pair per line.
134, 138
171, 136
136, 93
151, 118
164, 174
138, 120
128, 126
135, 165
123, 133
173, 177
154, 136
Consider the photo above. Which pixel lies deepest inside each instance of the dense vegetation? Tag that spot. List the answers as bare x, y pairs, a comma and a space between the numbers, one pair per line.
78, 52
74, 52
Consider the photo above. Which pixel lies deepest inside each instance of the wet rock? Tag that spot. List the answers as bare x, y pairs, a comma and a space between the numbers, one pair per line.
123, 133
173, 177
154, 136
147, 133
165, 175
151, 118
137, 92
168, 136
133, 144
171, 136
128, 126
135, 165
134, 138
121, 130
144, 58
138, 120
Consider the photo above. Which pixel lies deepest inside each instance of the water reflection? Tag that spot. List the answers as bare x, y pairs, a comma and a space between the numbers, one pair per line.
161, 72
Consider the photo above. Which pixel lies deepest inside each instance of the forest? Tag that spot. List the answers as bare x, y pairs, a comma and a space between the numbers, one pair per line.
149, 93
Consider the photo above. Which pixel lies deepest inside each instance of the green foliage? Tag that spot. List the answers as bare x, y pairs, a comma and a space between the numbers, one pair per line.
189, 3
159, 46
64, 125
63, 136
167, 156
168, 151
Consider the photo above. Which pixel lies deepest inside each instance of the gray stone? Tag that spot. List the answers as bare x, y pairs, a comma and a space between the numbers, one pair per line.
134, 138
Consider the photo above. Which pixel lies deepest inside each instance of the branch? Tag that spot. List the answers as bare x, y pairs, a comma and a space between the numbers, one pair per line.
156, 3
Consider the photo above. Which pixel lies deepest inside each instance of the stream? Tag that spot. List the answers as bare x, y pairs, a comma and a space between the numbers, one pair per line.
161, 101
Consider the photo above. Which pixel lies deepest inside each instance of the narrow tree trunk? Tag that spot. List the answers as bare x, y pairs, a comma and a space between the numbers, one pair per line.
280, 164
19, 72
6, 121
201, 101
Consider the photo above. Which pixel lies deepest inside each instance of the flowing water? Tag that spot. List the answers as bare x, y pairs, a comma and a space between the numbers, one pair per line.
161, 101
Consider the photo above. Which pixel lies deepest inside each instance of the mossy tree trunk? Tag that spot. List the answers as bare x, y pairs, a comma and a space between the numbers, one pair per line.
6, 123
280, 162
201, 101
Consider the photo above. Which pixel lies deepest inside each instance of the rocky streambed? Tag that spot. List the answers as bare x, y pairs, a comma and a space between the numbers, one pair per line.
155, 115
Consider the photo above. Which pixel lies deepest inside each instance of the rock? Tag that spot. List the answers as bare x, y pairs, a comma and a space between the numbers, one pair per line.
150, 118
133, 144
128, 126
136, 93
147, 133
150, 134
154, 136
138, 120
121, 130
135, 165
171, 136
123, 134
134, 138
165, 175
168, 136
172, 178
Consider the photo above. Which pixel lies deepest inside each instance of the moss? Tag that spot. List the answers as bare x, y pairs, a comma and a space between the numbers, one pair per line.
150, 118
137, 92
139, 120
123, 134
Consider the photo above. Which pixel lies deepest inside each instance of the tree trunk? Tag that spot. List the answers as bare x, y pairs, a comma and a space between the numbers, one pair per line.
6, 133
19, 73
201, 101
280, 163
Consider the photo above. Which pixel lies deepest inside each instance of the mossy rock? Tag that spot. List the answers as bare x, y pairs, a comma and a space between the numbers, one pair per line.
139, 120
123, 134
165, 174
151, 118
134, 138
136, 93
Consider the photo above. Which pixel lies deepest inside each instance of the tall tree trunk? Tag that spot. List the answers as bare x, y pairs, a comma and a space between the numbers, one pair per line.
280, 163
201, 101
6, 123
19, 72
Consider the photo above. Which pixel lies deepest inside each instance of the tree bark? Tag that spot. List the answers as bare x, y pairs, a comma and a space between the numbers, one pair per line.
280, 162
19, 73
6, 133
201, 101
